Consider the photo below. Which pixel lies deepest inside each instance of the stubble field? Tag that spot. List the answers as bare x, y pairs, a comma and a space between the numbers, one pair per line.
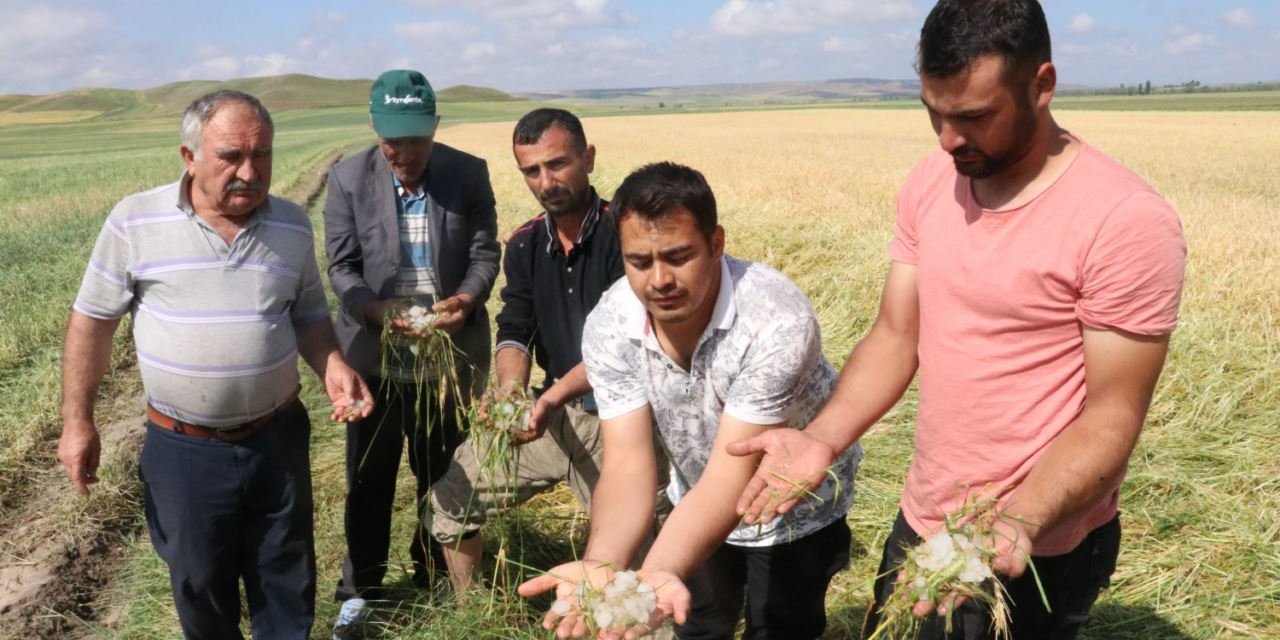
810, 192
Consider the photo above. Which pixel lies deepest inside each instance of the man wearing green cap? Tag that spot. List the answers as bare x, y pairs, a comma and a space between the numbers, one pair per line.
406, 221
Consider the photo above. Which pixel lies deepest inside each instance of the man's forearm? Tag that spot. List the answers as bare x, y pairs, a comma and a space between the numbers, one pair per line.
571, 386
1087, 459
85, 359
512, 367
622, 508
697, 526
874, 378
1084, 463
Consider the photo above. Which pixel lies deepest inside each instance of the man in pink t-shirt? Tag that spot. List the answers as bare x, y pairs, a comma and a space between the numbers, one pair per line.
1034, 287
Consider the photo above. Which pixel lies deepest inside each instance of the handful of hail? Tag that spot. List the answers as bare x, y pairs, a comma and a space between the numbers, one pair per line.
622, 604
953, 563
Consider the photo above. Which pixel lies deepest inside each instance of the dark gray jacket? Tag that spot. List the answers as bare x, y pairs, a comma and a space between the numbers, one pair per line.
362, 238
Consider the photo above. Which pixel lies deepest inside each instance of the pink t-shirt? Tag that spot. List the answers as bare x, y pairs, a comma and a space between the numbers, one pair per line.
1004, 296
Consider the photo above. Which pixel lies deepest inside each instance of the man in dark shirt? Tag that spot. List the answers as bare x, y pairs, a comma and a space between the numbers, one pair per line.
557, 265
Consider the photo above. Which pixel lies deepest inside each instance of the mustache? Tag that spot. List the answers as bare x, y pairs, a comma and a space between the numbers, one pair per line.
554, 192
243, 185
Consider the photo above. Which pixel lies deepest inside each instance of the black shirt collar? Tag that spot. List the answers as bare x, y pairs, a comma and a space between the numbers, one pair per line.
588, 225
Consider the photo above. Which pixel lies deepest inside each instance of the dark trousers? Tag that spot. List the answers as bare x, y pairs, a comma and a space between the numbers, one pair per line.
1072, 582
785, 588
374, 446
220, 512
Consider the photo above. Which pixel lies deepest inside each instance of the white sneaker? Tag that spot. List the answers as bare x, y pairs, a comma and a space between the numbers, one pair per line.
351, 619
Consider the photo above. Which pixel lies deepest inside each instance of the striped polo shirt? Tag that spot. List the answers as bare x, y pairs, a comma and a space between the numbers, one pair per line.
214, 323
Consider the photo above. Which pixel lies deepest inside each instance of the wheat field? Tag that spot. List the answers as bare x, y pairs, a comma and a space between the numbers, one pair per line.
811, 192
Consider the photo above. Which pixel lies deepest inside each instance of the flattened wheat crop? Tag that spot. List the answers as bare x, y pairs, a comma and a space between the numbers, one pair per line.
812, 192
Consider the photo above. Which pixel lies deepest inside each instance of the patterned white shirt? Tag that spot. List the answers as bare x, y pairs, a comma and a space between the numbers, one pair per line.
759, 361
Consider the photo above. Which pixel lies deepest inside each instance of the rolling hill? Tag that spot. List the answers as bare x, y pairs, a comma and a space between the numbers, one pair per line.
278, 93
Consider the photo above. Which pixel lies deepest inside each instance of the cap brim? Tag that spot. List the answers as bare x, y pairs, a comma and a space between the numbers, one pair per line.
404, 125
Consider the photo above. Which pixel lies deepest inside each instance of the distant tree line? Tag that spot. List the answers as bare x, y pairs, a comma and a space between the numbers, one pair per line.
1192, 86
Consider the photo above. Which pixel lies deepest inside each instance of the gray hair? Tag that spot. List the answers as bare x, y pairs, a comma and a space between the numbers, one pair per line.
203, 108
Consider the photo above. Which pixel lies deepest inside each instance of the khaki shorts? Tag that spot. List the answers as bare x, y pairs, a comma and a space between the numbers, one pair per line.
568, 452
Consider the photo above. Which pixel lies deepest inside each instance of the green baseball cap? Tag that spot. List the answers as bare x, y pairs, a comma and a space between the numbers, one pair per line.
402, 105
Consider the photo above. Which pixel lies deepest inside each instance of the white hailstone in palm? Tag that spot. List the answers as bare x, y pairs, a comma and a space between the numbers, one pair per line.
937, 553
623, 603
975, 570
514, 414
354, 409
921, 587
419, 317
562, 607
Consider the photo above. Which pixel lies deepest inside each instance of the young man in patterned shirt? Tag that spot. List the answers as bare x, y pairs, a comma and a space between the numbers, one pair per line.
707, 349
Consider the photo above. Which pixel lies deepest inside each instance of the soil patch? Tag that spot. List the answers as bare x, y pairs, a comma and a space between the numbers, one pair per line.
58, 549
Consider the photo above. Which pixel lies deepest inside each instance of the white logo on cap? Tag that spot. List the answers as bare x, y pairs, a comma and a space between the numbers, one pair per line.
404, 100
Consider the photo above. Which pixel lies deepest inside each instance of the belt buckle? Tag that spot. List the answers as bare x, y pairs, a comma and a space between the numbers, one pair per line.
234, 434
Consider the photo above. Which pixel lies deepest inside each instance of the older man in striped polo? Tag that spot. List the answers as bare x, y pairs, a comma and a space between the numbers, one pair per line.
222, 284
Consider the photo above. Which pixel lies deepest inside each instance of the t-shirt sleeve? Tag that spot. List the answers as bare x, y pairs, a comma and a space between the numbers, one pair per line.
1132, 275
778, 365
903, 247
613, 363
106, 291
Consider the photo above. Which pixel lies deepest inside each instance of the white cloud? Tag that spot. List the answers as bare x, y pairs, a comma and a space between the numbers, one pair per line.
1082, 23
215, 68
544, 14
615, 42
1189, 42
50, 46
45, 27
272, 64
1239, 18
754, 17
433, 29
479, 51
768, 63
840, 45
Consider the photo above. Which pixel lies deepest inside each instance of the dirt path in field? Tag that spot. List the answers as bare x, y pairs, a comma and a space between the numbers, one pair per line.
59, 551
56, 551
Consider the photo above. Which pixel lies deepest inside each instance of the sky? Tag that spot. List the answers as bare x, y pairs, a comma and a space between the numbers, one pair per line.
531, 45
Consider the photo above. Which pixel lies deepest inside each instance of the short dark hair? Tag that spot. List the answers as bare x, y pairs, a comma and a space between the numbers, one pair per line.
958, 32
531, 127
652, 191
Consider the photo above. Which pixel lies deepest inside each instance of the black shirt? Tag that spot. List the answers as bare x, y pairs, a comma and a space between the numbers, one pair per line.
549, 294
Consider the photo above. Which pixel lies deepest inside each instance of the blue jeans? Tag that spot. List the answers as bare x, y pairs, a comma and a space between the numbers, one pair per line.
221, 512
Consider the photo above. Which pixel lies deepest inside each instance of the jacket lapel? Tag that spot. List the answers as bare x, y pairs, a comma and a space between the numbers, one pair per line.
384, 206
435, 216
